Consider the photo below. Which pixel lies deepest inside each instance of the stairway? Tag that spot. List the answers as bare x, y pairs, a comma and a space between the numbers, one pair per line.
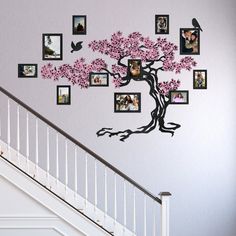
80, 179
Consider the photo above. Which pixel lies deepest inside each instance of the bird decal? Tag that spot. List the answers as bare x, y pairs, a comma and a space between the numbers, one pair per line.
196, 24
76, 47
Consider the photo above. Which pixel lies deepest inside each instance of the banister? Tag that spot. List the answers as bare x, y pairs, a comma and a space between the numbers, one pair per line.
138, 186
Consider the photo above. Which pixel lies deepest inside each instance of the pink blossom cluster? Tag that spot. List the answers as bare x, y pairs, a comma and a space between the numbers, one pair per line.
76, 74
167, 86
119, 69
117, 82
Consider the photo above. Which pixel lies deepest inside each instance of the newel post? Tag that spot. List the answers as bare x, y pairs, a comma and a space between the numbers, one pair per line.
165, 211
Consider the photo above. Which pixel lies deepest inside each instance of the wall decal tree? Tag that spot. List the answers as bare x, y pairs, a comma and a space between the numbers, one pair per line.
155, 56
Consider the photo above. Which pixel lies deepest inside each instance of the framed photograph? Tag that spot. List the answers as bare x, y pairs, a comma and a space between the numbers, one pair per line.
135, 68
98, 79
127, 102
162, 24
79, 24
63, 95
179, 97
200, 79
27, 70
52, 46
189, 41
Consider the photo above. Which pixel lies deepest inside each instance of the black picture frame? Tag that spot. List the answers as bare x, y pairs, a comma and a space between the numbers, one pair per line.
189, 46
52, 46
98, 79
179, 97
27, 70
135, 70
123, 104
63, 95
79, 24
199, 79
162, 24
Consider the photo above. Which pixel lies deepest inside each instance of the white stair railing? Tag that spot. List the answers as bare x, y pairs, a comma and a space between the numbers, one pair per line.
77, 175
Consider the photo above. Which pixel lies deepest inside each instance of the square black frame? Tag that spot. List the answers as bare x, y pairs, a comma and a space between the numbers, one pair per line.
183, 49
21, 70
93, 84
75, 30
167, 23
61, 46
179, 91
130, 63
194, 79
69, 95
127, 110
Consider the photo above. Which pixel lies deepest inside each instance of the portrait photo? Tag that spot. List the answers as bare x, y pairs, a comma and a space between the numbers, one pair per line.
200, 79
52, 46
127, 102
99, 79
162, 24
79, 25
179, 97
135, 68
189, 41
63, 95
27, 70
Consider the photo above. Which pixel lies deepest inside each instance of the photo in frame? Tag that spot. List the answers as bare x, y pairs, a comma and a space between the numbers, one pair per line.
79, 24
189, 41
52, 46
200, 79
98, 79
161, 24
127, 102
63, 95
135, 68
179, 97
27, 70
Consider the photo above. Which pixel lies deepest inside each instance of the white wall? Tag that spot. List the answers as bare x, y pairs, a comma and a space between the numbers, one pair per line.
197, 165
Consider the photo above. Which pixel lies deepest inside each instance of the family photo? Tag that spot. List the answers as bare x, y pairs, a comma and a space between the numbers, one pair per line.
27, 70
127, 102
199, 79
189, 41
79, 24
134, 68
99, 79
63, 95
162, 24
178, 97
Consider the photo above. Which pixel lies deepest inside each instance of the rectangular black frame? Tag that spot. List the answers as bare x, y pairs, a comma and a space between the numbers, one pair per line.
166, 24
183, 49
179, 92
93, 83
69, 93
61, 46
129, 73
125, 102
75, 30
194, 79
21, 71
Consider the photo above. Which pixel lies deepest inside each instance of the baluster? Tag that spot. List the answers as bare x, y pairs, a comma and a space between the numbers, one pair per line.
145, 216
27, 142
115, 202
57, 160
95, 187
154, 218
86, 180
8, 129
18, 135
76, 175
36, 147
66, 167
134, 211
48, 160
105, 194
124, 186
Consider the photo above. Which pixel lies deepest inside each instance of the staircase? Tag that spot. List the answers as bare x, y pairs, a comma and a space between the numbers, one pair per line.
80, 179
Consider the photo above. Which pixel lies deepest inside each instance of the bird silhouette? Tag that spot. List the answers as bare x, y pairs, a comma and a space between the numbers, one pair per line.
196, 24
76, 47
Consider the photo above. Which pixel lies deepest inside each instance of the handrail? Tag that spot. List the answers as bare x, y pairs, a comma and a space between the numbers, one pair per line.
138, 186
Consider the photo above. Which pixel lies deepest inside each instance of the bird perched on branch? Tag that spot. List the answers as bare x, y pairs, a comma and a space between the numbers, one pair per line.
76, 47
196, 24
